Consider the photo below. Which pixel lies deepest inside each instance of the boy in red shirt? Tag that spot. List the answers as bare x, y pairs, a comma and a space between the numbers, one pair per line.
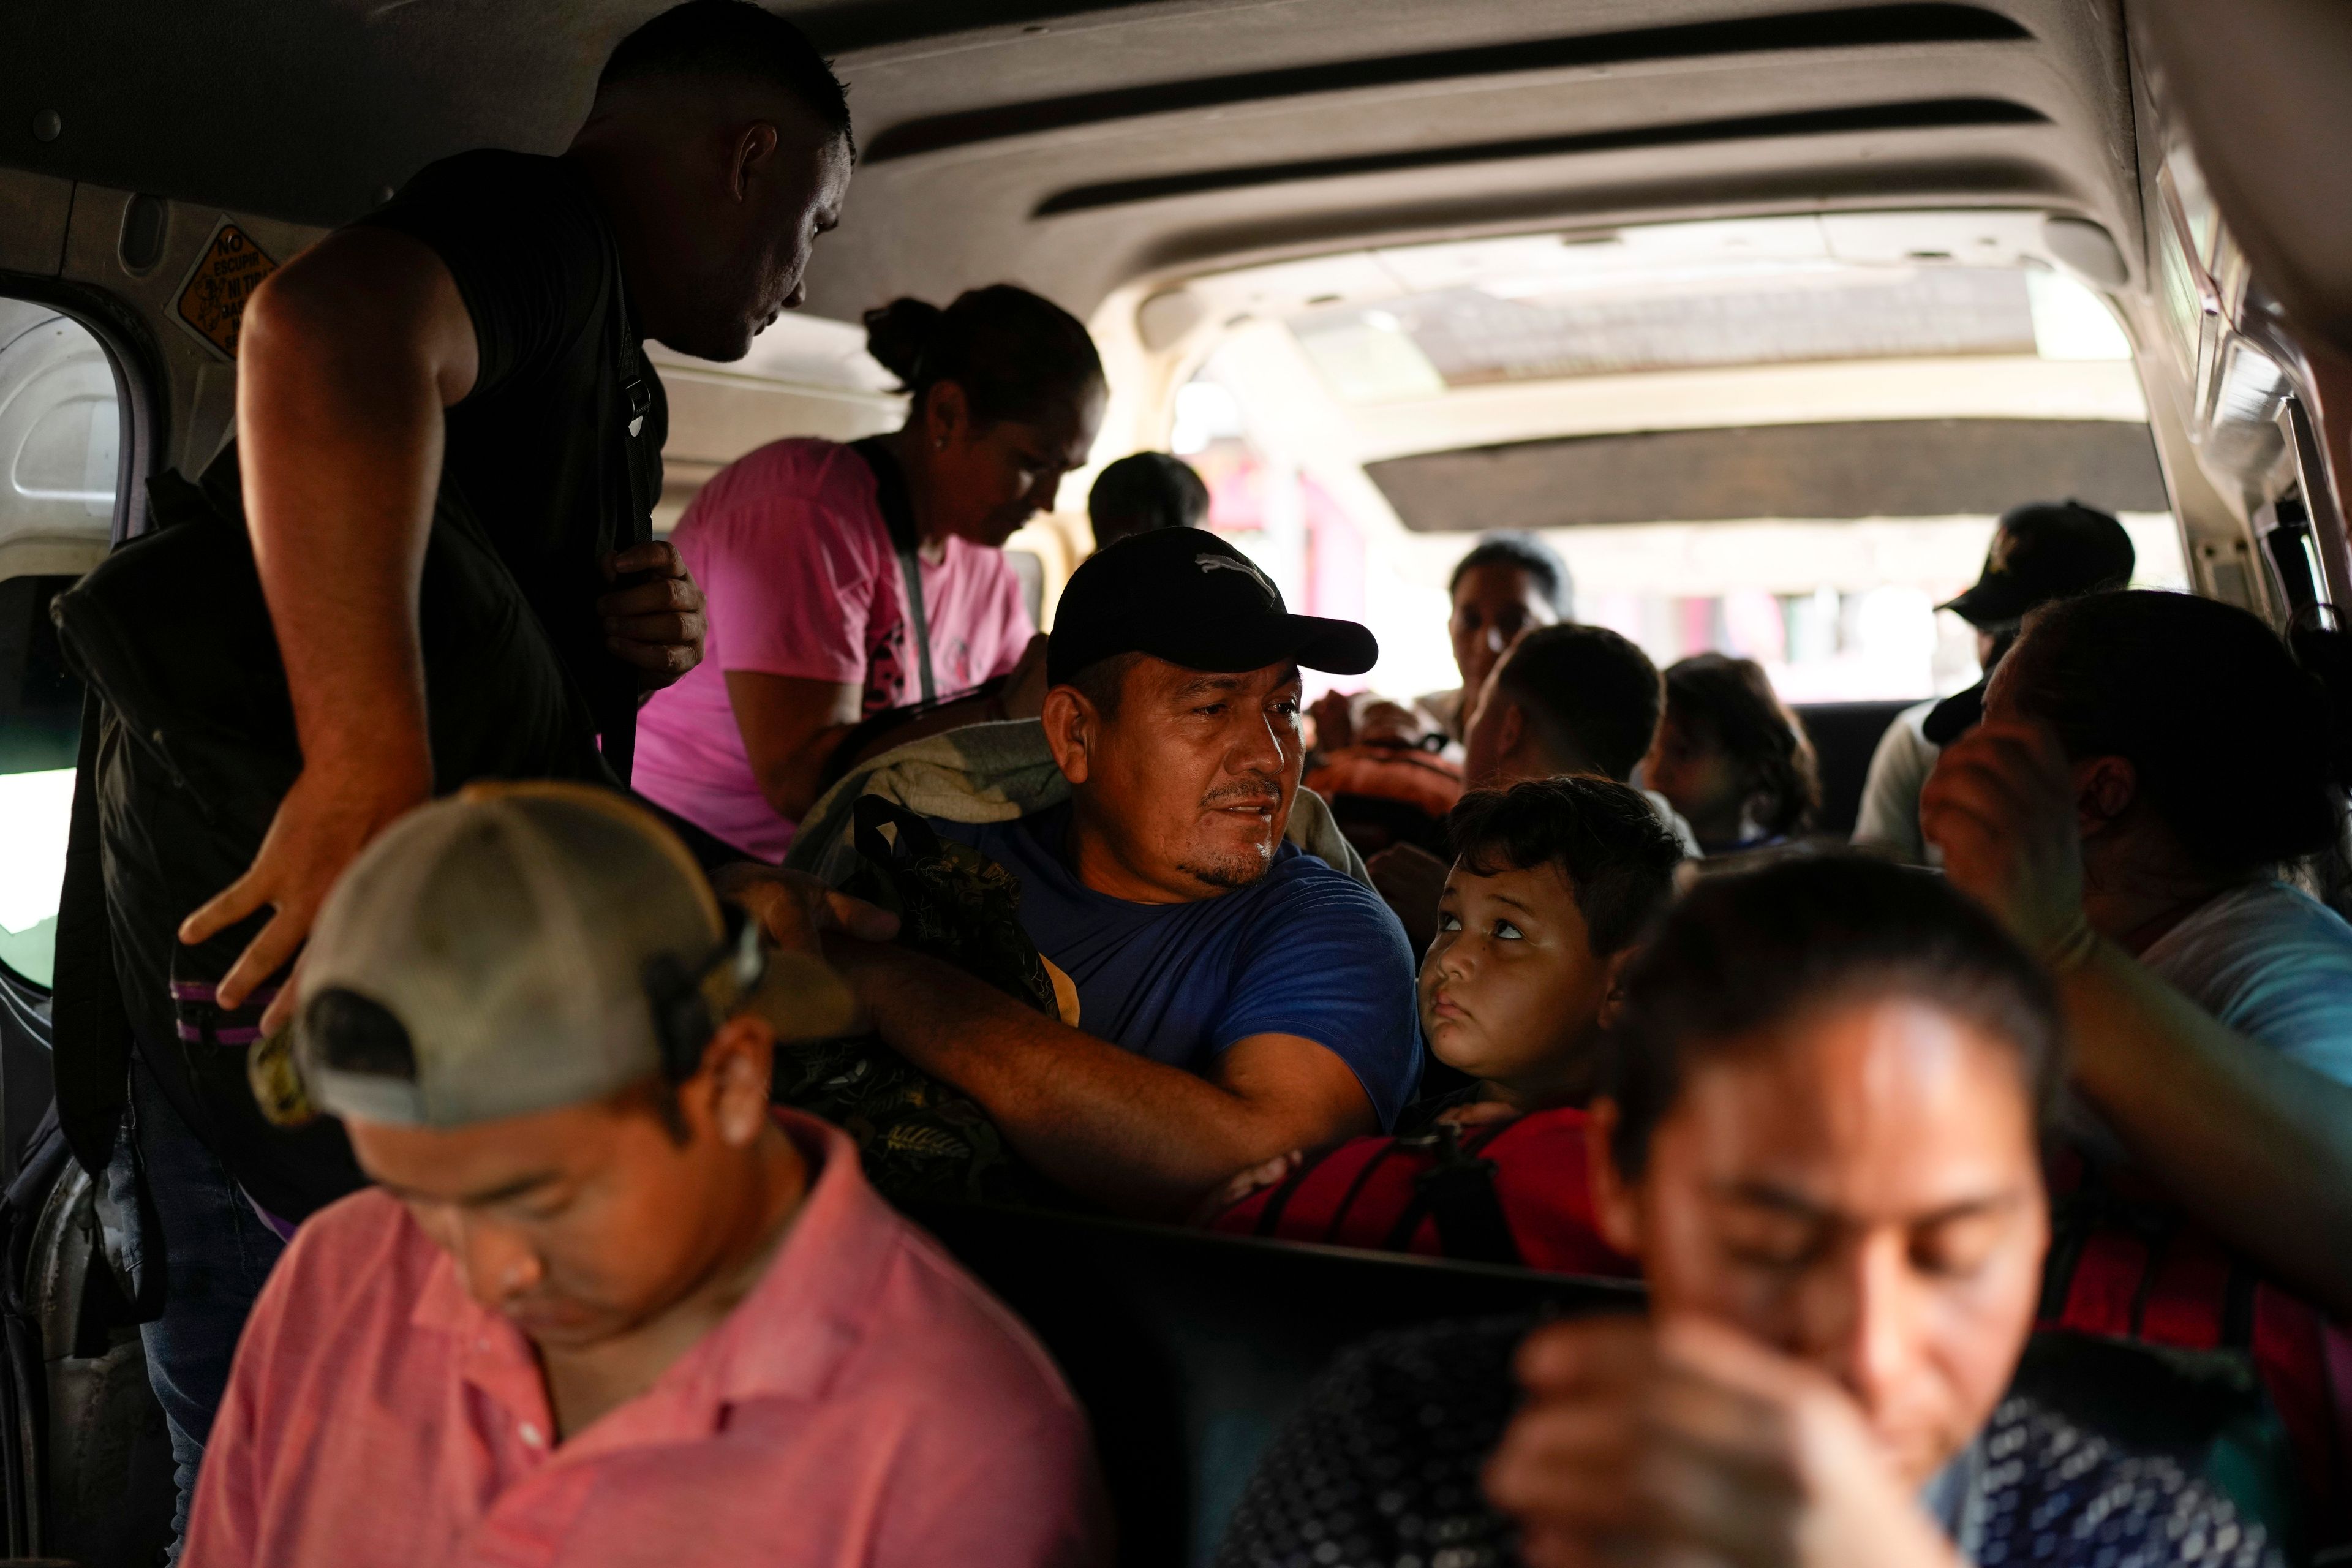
1554, 882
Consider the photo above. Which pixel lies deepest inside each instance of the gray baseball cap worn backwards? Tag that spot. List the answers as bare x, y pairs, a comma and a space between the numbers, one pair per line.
519, 948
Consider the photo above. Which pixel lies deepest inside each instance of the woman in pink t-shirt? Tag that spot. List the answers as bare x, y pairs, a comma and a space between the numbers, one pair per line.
806, 549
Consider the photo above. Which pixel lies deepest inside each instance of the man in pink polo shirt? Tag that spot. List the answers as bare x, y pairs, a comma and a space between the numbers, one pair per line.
604, 1308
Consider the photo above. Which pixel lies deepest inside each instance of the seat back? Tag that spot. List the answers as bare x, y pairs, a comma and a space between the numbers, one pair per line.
1844, 734
1189, 1351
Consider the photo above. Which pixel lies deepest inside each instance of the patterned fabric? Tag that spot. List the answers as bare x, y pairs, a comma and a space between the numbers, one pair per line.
995, 772
1381, 1467
918, 1137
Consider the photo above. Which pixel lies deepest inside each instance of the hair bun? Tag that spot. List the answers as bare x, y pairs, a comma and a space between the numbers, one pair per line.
899, 333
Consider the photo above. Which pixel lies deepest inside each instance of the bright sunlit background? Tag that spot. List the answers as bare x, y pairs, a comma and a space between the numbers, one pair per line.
60, 432
37, 807
1784, 439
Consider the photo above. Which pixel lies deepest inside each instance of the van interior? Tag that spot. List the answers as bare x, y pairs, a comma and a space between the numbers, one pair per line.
1760, 311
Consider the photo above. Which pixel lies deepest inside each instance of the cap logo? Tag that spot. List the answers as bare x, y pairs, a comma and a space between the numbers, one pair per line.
1208, 562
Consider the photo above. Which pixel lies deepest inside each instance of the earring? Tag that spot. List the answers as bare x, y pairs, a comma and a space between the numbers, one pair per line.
939, 443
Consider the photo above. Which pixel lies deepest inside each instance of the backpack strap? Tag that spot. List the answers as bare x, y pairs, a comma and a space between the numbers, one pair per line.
899, 517
1356, 1188
615, 713
90, 1030
1458, 1193
1269, 1216
913, 839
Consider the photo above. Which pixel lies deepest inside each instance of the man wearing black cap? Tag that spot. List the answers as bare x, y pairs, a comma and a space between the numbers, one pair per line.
1238, 996
2040, 551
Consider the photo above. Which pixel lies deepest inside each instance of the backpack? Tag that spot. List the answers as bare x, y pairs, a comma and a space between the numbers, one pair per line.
1515, 1193
918, 1137
182, 775
2125, 1264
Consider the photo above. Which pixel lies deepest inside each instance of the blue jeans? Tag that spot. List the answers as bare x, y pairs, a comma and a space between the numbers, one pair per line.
217, 1254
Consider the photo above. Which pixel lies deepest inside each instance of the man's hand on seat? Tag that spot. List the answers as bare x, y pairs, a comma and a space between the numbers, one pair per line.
1256, 1179
796, 909
656, 624
1334, 719
1138, 1137
324, 823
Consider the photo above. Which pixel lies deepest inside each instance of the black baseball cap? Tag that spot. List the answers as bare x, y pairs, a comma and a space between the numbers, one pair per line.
2045, 551
1185, 596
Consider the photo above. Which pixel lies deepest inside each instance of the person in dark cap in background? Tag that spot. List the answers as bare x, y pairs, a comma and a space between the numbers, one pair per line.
1145, 491
603, 1295
1237, 992
2041, 551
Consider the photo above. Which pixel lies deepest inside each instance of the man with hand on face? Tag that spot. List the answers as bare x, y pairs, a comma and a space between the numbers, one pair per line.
445, 419
606, 1306
1236, 995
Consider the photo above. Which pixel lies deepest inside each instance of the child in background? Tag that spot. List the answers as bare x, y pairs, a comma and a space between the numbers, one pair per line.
1732, 757
1553, 884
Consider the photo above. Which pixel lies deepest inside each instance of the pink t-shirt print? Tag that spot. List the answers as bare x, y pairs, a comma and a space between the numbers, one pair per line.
795, 562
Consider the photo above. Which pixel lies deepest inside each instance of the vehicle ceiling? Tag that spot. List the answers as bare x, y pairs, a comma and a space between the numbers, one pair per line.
1078, 149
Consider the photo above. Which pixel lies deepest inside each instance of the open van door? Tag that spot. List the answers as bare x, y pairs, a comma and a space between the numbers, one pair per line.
84, 1465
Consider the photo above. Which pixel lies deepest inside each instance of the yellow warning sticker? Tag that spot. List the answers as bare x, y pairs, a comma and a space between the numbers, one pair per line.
212, 301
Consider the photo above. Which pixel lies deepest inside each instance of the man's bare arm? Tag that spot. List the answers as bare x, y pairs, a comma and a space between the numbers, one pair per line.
789, 725
349, 355
793, 727
2257, 1146
1141, 1138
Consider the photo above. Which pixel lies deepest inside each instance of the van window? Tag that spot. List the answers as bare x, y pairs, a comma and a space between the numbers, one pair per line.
1786, 438
60, 447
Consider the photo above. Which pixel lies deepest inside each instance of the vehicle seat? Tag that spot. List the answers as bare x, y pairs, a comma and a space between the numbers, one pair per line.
1845, 736
1190, 1349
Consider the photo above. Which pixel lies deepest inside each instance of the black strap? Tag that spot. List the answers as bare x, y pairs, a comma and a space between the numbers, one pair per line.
1269, 1218
914, 839
1356, 1187
1458, 1193
616, 715
899, 517
89, 1027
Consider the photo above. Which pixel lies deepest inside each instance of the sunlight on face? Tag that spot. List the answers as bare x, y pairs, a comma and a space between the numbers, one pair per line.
990, 478
1492, 605
1192, 779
